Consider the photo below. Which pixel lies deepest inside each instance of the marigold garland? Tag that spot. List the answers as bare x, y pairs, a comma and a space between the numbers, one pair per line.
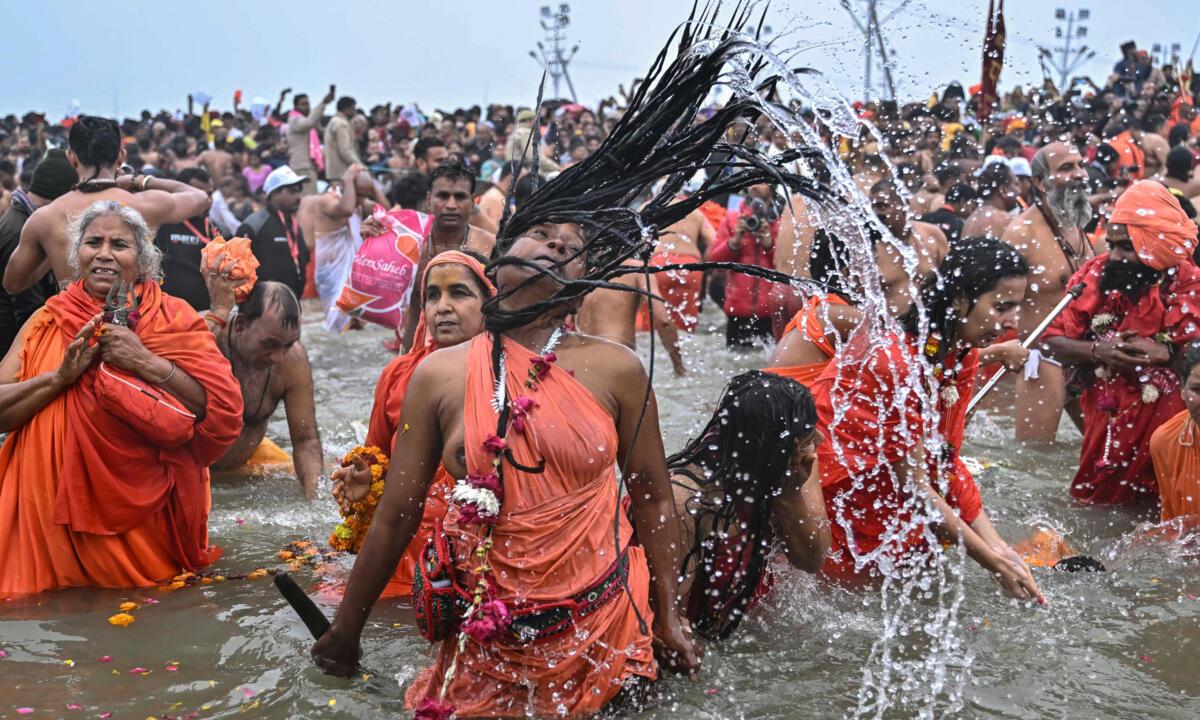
350, 533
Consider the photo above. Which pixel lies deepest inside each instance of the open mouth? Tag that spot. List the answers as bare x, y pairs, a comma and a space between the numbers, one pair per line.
104, 272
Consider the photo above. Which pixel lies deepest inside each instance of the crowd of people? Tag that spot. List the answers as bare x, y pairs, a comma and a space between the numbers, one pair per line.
156, 269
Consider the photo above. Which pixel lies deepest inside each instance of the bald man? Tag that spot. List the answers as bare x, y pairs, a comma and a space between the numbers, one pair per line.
261, 338
1050, 236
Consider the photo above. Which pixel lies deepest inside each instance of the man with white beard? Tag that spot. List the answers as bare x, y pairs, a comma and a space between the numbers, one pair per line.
1050, 236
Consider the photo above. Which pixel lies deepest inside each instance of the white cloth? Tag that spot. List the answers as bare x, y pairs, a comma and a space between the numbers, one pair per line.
220, 214
335, 257
1032, 363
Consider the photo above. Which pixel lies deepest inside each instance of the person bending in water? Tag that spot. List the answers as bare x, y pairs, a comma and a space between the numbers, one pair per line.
810, 341
1141, 303
875, 467
453, 291
102, 483
1175, 447
262, 341
745, 485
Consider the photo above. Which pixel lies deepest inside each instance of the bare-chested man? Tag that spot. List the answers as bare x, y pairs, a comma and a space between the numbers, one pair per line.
262, 341
450, 201
927, 240
217, 159
95, 152
332, 219
612, 315
1154, 144
1050, 237
998, 191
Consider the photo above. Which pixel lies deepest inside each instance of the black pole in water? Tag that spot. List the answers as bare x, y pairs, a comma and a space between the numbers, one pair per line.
313, 618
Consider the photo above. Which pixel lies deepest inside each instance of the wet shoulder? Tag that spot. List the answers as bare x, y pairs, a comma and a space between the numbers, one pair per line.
604, 367
481, 241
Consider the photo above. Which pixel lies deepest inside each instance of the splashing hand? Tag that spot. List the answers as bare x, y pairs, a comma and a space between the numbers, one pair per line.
675, 648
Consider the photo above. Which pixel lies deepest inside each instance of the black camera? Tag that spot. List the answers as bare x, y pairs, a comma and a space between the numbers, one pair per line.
761, 212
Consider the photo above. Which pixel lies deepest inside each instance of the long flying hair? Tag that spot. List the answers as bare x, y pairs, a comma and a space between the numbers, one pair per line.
741, 456
662, 136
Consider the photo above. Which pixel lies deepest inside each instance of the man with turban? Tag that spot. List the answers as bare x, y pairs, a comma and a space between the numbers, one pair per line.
1140, 305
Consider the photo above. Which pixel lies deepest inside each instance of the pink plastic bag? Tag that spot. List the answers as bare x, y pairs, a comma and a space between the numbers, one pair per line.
384, 271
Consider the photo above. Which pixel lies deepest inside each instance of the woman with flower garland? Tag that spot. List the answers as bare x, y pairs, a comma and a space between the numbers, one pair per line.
575, 404
453, 289
874, 467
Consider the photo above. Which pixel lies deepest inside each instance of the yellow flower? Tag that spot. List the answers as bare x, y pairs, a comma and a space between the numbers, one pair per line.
127, 606
257, 574
121, 619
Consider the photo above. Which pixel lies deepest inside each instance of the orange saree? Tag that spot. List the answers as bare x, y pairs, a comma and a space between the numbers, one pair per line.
86, 500
810, 322
385, 421
553, 540
1175, 451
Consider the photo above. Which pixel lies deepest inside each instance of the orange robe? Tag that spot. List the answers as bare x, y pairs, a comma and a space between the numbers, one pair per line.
84, 499
554, 539
680, 290
385, 422
811, 322
1175, 450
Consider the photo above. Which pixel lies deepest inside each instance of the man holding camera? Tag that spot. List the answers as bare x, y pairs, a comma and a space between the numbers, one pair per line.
748, 236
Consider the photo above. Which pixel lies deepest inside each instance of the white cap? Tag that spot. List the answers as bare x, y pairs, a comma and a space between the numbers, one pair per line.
282, 176
1020, 167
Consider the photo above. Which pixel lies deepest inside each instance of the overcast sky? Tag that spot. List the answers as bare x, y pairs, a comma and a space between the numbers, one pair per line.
117, 58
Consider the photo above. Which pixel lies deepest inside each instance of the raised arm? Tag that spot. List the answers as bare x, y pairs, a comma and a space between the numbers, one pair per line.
415, 459
654, 514
162, 201
798, 514
302, 421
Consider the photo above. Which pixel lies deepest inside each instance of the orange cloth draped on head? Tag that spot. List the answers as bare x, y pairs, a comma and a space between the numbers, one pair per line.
1175, 450
1161, 232
385, 420
554, 539
84, 499
811, 322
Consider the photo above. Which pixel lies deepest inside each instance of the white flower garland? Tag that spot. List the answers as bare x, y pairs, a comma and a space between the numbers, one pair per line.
484, 500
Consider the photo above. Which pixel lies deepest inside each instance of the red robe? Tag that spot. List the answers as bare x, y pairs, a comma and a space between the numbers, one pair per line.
1172, 308
872, 434
84, 498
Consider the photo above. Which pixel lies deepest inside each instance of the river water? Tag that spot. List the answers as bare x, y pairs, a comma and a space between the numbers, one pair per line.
1123, 644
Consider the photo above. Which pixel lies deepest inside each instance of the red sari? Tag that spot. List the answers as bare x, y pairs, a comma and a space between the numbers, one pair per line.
554, 539
873, 434
1115, 416
85, 500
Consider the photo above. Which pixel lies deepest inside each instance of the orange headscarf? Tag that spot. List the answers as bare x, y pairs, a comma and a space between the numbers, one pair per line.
1161, 232
393, 381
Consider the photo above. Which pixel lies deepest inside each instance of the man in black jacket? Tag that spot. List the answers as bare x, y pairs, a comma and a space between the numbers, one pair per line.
53, 176
274, 232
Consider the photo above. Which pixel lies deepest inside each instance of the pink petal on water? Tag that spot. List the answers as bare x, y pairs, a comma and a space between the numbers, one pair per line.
105, 715
149, 601
3, 654
247, 692
74, 706
241, 521
106, 658
24, 711
710, 691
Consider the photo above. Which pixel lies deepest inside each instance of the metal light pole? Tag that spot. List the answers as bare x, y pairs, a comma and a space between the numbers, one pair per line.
1069, 59
550, 54
871, 28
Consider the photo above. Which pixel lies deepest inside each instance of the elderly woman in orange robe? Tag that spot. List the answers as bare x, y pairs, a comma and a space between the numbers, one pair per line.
112, 426
1142, 303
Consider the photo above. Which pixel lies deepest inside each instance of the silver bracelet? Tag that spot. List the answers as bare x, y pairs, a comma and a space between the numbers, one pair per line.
167, 379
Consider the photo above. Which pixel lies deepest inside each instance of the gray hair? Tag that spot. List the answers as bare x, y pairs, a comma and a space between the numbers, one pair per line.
149, 256
1039, 166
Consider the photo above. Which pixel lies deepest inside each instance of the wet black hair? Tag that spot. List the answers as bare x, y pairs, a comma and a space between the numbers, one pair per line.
96, 141
345, 103
960, 193
1189, 357
1178, 134
409, 190
509, 169
1179, 163
454, 172
828, 261
738, 461
947, 172
973, 268
522, 189
267, 293
993, 178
